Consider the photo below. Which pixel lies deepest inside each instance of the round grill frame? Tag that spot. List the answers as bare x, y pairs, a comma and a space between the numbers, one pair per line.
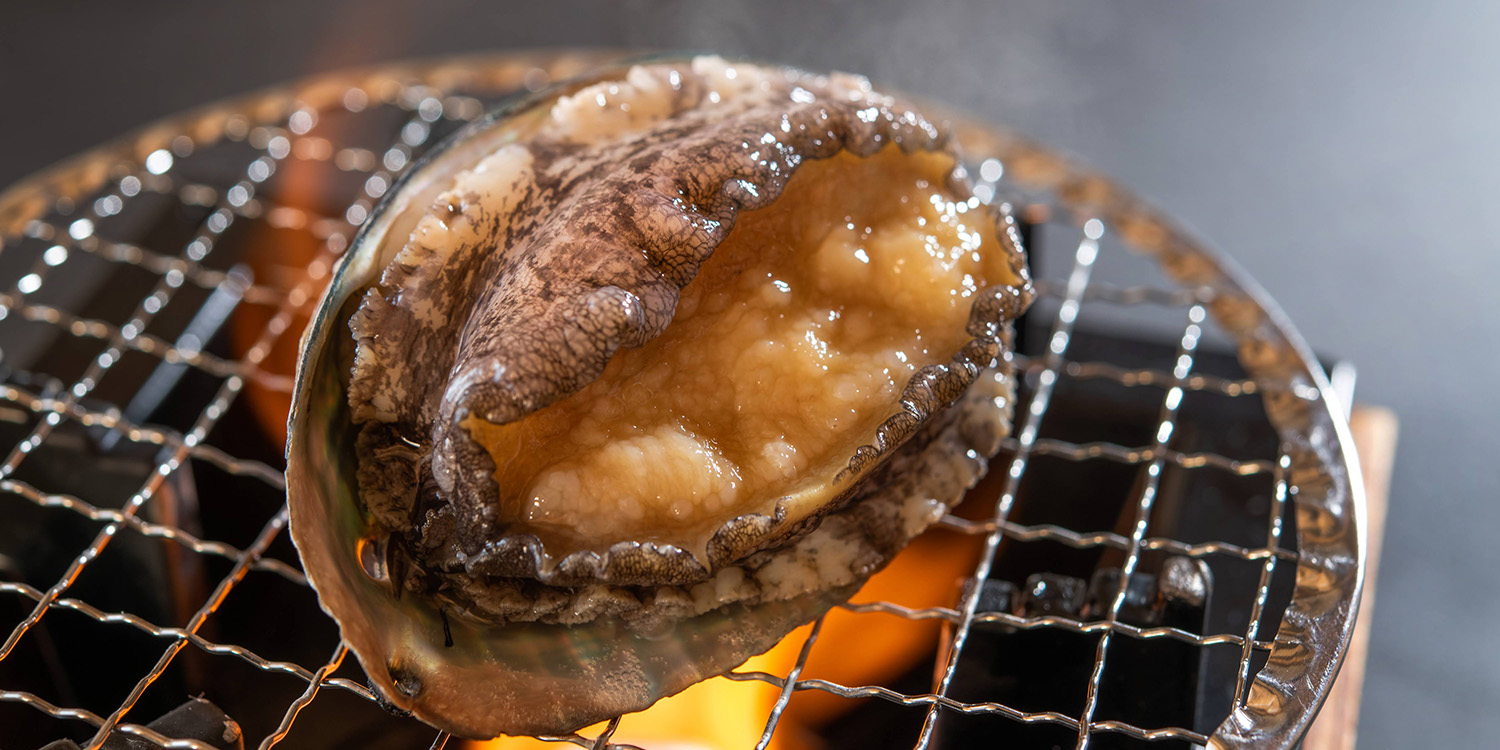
1315, 474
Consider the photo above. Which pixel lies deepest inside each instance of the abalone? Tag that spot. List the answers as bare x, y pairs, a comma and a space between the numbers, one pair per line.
636, 375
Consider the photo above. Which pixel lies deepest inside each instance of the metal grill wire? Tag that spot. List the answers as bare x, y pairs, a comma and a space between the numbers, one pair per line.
423, 107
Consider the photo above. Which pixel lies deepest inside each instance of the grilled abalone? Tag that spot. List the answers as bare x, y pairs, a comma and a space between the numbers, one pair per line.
637, 375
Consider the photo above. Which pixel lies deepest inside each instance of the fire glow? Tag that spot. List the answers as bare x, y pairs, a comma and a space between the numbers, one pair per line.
853, 648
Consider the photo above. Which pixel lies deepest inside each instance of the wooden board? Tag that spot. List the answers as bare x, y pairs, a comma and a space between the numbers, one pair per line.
1337, 725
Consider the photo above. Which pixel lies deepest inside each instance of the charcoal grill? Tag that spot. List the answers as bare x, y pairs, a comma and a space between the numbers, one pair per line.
1172, 541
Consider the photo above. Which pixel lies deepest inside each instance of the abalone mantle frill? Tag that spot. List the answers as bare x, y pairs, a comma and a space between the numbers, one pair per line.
572, 238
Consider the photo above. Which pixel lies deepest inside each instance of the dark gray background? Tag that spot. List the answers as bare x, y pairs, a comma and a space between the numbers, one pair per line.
1346, 155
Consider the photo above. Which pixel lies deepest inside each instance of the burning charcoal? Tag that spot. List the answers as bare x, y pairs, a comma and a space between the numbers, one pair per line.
1142, 603
1052, 594
197, 719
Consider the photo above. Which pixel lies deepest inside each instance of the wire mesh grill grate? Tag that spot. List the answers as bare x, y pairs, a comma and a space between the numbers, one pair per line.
265, 194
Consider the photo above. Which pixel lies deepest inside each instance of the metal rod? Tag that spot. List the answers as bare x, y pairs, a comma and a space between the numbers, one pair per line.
791, 682
1166, 425
1273, 539
307, 696
1030, 422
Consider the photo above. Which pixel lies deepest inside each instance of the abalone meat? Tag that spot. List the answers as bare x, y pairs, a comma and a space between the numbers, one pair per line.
629, 379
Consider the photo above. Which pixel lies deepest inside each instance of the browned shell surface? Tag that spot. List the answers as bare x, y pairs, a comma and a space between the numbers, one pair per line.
595, 234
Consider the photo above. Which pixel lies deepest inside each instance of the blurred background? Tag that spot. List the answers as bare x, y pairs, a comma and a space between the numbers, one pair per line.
1344, 154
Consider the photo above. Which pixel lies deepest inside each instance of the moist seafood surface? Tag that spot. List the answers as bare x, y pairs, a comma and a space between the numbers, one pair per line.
767, 264
644, 373
787, 351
